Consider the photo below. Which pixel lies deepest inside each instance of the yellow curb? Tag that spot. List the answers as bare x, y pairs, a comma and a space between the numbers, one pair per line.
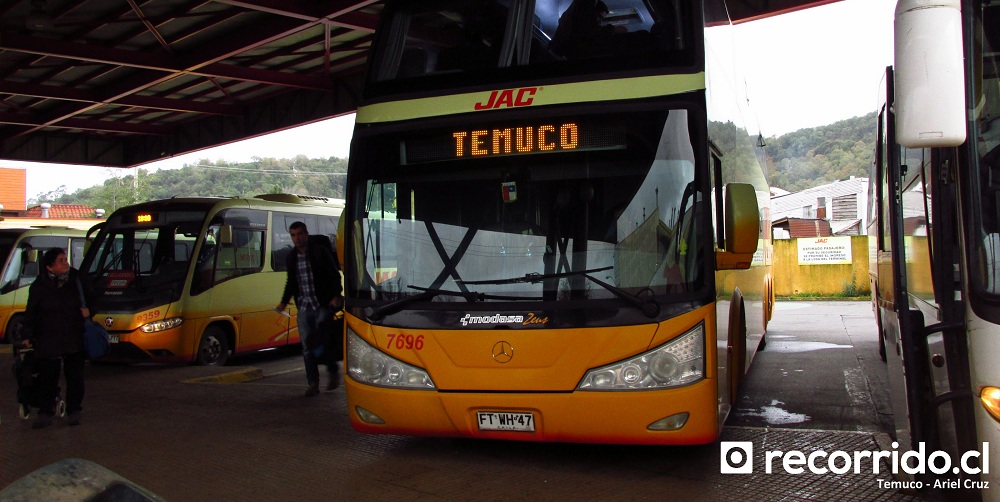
239, 376
285, 372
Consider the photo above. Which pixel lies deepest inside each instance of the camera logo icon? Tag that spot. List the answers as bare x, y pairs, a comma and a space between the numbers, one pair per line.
736, 457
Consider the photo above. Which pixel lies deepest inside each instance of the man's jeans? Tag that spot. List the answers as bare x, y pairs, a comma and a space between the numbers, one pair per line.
309, 321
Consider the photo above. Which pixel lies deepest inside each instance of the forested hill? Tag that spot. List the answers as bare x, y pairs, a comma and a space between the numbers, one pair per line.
798, 160
301, 175
816, 156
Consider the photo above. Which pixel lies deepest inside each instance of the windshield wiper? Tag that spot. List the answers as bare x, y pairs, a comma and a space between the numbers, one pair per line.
534, 277
647, 306
378, 313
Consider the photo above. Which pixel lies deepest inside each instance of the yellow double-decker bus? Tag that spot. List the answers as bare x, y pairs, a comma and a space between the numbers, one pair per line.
196, 279
21, 247
554, 210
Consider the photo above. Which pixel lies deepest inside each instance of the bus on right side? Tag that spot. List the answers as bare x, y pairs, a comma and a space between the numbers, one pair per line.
934, 233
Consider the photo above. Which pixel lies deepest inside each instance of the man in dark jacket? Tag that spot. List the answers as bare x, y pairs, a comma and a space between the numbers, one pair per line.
314, 280
54, 328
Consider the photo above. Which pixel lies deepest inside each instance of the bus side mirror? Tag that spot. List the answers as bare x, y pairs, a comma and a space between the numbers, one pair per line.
340, 240
742, 227
226, 235
95, 229
929, 85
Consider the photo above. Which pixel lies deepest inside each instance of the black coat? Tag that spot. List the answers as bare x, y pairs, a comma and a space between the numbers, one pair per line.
53, 321
326, 275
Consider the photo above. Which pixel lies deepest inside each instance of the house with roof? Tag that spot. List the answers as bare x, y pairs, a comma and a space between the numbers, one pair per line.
62, 211
14, 207
834, 209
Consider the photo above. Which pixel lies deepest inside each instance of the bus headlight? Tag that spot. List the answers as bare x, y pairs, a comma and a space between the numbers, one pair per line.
990, 397
373, 367
676, 363
162, 325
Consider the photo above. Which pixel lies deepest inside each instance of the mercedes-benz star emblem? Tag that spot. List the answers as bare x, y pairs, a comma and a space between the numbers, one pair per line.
502, 352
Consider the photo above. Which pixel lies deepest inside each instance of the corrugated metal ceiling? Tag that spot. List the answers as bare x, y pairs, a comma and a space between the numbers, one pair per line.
121, 83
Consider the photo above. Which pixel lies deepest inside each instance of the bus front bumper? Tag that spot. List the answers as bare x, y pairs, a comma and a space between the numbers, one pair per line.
136, 346
622, 417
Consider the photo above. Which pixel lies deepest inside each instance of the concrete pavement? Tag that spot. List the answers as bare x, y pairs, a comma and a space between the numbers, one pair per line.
820, 369
188, 433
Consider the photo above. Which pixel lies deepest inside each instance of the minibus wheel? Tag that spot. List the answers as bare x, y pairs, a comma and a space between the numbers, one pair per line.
213, 349
13, 330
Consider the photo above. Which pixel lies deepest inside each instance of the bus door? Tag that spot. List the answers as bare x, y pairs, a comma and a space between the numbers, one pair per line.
231, 271
21, 271
906, 351
17, 274
890, 289
925, 344
322, 230
23, 267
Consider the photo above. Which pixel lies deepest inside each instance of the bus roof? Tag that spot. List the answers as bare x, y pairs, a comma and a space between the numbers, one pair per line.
260, 201
52, 223
302, 199
17, 231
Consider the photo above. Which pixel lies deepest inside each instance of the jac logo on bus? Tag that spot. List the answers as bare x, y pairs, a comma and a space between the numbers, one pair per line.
508, 98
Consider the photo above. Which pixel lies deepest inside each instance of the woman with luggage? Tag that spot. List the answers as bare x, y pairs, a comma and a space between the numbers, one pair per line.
54, 328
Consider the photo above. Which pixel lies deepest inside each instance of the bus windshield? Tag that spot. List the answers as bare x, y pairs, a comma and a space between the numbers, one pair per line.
457, 41
599, 209
141, 257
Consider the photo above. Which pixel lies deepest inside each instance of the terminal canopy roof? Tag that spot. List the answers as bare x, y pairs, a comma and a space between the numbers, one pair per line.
121, 83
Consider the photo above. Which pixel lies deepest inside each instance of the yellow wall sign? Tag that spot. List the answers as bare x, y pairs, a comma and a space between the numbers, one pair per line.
825, 251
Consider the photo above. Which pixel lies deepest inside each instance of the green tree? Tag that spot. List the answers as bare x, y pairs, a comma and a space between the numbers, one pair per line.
796, 161
52, 196
206, 178
816, 156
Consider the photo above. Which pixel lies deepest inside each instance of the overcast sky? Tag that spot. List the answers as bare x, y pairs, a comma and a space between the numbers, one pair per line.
814, 67
819, 65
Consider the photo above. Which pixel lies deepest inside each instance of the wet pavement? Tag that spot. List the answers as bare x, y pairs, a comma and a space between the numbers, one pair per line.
245, 432
819, 369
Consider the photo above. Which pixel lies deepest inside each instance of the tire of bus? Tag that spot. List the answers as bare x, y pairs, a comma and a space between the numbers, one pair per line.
737, 348
767, 306
881, 336
213, 350
13, 328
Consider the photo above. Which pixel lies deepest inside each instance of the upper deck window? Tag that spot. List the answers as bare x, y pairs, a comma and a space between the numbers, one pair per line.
584, 29
464, 42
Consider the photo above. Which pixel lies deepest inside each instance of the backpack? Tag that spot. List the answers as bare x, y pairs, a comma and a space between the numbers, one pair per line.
96, 342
